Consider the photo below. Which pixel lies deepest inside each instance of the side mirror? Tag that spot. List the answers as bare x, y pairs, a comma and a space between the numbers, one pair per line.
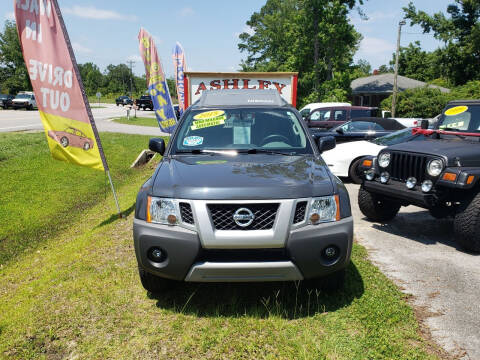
326, 143
424, 124
157, 145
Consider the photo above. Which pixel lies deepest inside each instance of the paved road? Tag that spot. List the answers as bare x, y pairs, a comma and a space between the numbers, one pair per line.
419, 254
20, 120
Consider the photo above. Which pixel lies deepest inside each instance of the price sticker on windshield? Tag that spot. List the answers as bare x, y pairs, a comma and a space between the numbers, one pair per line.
457, 110
208, 119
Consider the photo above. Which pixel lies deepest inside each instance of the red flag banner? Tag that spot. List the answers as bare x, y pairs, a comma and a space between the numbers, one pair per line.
62, 103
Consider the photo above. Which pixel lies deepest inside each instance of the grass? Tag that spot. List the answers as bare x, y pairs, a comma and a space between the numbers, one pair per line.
78, 296
40, 196
141, 121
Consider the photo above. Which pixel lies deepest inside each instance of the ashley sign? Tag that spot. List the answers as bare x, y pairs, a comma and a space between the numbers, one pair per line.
284, 83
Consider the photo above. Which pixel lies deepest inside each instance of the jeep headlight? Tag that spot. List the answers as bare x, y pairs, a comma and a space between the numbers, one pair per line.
162, 211
435, 167
384, 160
324, 209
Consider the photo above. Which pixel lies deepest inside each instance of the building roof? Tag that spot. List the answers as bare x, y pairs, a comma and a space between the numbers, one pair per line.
383, 84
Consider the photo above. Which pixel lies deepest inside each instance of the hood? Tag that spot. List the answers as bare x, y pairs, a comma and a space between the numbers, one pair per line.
245, 176
450, 148
20, 100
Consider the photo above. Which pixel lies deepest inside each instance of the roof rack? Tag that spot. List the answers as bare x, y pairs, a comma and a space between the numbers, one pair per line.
267, 97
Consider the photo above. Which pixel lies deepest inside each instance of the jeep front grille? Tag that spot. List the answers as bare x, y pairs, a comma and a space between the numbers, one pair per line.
222, 216
186, 213
405, 165
300, 212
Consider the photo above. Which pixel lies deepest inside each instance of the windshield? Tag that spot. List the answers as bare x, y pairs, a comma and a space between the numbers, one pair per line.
23, 96
246, 128
3, 97
395, 138
461, 118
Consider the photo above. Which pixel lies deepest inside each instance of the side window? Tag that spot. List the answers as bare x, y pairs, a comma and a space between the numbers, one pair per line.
320, 115
340, 115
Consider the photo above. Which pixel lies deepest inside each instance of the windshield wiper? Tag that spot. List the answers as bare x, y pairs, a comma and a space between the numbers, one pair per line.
207, 151
265, 151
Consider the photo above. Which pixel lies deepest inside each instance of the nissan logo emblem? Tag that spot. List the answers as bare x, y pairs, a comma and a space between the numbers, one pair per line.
243, 217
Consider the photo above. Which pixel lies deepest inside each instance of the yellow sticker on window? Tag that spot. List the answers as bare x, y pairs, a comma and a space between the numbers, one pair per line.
208, 119
456, 110
209, 115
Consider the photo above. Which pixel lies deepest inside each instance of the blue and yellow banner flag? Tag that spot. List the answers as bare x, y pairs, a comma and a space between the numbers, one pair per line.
157, 83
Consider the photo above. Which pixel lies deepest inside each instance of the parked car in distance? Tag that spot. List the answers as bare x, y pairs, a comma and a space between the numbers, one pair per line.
441, 174
329, 117
24, 100
72, 137
345, 158
242, 194
307, 109
144, 102
123, 100
360, 129
6, 101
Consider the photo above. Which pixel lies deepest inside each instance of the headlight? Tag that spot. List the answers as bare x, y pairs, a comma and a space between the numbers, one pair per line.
324, 209
384, 160
435, 168
162, 211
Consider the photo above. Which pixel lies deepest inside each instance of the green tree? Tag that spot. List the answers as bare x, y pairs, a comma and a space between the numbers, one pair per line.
313, 37
461, 35
13, 72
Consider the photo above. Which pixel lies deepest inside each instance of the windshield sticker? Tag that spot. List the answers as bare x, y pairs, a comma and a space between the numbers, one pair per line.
193, 141
211, 162
209, 115
201, 124
456, 110
455, 125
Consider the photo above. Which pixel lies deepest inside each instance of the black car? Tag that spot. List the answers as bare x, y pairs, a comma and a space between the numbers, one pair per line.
440, 174
144, 102
123, 100
242, 194
360, 129
6, 101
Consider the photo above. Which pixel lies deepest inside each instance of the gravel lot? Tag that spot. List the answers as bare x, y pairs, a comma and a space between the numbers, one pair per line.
419, 254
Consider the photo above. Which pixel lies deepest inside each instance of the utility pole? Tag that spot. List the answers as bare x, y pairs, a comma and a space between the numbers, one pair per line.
131, 62
395, 84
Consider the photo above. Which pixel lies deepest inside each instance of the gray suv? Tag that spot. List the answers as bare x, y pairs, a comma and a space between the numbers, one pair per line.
242, 194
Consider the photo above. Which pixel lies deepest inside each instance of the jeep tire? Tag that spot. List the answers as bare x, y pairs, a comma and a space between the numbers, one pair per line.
154, 284
467, 224
376, 208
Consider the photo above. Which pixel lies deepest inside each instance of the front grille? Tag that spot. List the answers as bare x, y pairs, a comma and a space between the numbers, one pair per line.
186, 213
242, 255
222, 216
300, 212
405, 165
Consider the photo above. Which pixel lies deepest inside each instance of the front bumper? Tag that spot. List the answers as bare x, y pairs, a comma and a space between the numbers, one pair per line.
186, 261
397, 191
17, 105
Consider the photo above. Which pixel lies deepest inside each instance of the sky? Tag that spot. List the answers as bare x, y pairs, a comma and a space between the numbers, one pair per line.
105, 32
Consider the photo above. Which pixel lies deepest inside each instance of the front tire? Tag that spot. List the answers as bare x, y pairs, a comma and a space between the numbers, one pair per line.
154, 284
467, 224
376, 208
64, 141
353, 172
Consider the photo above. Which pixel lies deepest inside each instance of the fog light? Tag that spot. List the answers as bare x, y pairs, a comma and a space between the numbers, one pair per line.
156, 255
330, 252
411, 183
427, 185
370, 174
384, 177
